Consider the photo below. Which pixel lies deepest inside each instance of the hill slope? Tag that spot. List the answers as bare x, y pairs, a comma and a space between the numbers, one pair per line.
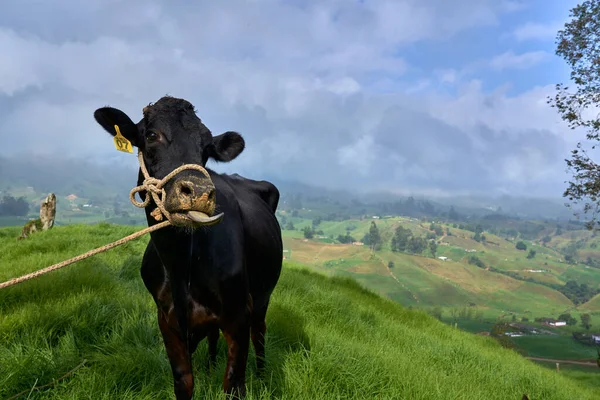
327, 337
507, 281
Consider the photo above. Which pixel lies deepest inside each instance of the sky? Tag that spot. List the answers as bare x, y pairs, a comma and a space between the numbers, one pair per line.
427, 96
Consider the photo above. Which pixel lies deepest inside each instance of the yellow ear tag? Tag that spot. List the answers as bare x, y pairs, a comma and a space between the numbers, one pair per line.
121, 143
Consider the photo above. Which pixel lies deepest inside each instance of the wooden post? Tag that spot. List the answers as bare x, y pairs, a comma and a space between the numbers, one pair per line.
557, 367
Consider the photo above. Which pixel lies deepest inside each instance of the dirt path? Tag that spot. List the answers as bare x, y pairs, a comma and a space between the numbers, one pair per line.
585, 363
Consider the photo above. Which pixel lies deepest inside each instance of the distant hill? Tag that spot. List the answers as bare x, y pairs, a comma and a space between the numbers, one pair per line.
106, 180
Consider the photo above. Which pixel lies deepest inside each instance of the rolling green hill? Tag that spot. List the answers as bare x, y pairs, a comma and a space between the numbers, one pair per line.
327, 337
510, 282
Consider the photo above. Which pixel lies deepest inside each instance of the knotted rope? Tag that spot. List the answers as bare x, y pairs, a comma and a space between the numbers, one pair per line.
153, 187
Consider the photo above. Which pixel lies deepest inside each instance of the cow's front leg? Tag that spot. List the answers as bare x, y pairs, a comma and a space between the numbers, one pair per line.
179, 357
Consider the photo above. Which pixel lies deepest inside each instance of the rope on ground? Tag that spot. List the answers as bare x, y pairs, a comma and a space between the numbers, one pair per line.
71, 372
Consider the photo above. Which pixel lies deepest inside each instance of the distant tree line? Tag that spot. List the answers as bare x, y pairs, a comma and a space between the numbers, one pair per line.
13, 207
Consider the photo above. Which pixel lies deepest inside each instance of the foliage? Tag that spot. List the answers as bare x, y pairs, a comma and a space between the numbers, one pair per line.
345, 239
433, 248
400, 239
308, 232
531, 254
578, 45
373, 238
568, 318
586, 321
12, 207
416, 245
521, 245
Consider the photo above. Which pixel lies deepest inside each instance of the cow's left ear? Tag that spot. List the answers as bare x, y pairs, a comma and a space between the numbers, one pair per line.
227, 146
108, 117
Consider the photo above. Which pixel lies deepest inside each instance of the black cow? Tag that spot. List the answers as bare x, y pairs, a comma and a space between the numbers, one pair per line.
205, 278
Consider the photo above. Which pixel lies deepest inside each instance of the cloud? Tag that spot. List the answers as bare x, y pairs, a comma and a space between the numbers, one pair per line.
323, 92
510, 60
536, 31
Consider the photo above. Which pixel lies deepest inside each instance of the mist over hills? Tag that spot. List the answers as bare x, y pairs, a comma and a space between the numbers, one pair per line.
109, 179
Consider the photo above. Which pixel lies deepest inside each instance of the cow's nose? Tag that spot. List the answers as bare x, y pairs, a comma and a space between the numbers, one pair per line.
211, 193
185, 190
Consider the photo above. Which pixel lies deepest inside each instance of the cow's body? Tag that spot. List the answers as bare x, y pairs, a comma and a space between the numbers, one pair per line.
220, 277
205, 278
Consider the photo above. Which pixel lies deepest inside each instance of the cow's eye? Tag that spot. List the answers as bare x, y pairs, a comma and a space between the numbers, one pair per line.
151, 137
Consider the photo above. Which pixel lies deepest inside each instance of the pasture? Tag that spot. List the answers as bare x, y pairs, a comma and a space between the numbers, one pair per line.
423, 281
326, 338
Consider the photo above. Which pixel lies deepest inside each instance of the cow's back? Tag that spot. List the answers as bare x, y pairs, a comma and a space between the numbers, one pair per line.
263, 244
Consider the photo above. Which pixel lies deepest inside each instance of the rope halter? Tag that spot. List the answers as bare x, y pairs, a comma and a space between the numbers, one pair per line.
155, 188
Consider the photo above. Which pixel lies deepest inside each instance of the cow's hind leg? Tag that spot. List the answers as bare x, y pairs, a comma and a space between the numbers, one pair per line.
212, 335
258, 329
213, 339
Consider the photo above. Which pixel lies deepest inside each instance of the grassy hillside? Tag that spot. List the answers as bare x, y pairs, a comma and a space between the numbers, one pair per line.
420, 280
327, 337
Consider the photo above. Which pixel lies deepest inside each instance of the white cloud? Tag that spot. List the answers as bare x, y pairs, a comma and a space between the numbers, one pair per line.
318, 89
510, 60
536, 31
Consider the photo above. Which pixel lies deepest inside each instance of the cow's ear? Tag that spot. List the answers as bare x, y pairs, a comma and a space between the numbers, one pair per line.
108, 117
227, 146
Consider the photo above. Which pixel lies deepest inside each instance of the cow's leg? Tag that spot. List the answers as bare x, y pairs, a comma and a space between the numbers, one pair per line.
179, 357
212, 333
258, 329
213, 339
238, 340
156, 281
235, 324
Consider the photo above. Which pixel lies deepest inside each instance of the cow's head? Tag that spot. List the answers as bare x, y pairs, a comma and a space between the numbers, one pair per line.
170, 135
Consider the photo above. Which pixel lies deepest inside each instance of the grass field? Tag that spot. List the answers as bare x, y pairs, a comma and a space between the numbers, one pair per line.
423, 280
327, 337
555, 346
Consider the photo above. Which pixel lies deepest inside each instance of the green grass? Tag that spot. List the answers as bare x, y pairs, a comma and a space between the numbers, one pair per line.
327, 337
555, 346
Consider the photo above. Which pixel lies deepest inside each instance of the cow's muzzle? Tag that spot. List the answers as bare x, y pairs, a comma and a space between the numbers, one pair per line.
191, 201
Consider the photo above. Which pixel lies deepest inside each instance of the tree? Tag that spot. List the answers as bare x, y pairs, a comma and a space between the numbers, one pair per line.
316, 222
13, 207
521, 245
578, 45
400, 239
416, 245
433, 248
374, 237
290, 226
568, 318
390, 264
308, 232
531, 254
586, 321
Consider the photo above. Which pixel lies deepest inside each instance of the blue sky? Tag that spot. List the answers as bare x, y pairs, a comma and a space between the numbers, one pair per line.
410, 96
